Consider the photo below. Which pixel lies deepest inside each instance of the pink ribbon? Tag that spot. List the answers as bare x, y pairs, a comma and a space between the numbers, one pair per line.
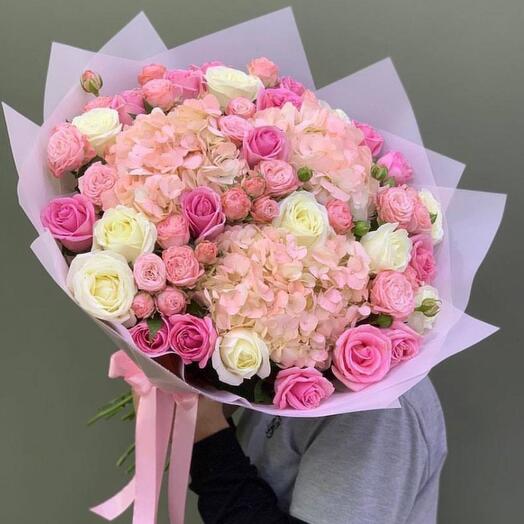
160, 416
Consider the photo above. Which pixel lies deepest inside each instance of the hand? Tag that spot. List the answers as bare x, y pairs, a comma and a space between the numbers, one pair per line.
210, 418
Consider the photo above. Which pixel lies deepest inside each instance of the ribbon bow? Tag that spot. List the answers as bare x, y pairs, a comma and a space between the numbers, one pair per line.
160, 416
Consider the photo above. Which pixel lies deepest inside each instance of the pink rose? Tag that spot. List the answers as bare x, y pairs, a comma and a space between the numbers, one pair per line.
422, 259
290, 83
392, 294
405, 342
264, 210
96, 179
206, 252
206, 65
99, 101
149, 271
397, 166
188, 83
151, 72
203, 210
235, 127
253, 185
301, 388
182, 267
192, 338
411, 275
143, 305
156, 347
172, 231
171, 301
265, 69
70, 220
280, 177
91, 82
420, 220
241, 106
67, 150
362, 356
372, 138
128, 103
160, 93
277, 97
397, 204
236, 204
265, 143
339, 216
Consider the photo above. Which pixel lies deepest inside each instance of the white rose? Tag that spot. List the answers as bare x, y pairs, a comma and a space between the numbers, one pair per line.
227, 83
103, 285
100, 126
388, 248
303, 217
417, 320
125, 231
239, 355
434, 208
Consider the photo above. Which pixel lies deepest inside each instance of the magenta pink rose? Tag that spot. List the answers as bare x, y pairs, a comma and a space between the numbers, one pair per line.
206, 65
149, 271
241, 106
265, 143
236, 204
254, 185
290, 83
264, 210
398, 167
182, 267
206, 252
265, 69
128, 103
155, 347
372, 138
422, 259
392, 294
298, 388
397, 204
362, 356
339, 215
405, 342
173, 231
277, 97
192, 338
96, 179
160, 93
281, 179
70, 220
203, 210
67, 150
188, 83
171, 301
151, 72
143, 305
235, 127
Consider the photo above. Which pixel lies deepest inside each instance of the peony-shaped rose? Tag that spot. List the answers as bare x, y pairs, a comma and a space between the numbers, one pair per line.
173, 231
151, 72
192, 338
392, 294
227, 83
236, 204
265, 210
188, 83
387, 247
152, 346
339, 215
100, 125
397, 204
287, 82
298, 388
126, 231
235, 127
265, 143
435, 212
419, 321
405, 342
203, 210
97, 179
160, 93
241, 106
362, 356
280, 177
254, 185
149, 271
206, 252
421, 219
67, 150
398, 167
372, 138
102, 284
70, 220
265, 69
301, 215
277, 97
241, 354
171, 301
183, 269
422, 259
143, 305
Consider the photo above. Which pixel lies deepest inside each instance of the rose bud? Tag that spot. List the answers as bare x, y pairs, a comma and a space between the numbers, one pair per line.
253, 185
143, 305
206, 252
91, 82
236, 204
264, 209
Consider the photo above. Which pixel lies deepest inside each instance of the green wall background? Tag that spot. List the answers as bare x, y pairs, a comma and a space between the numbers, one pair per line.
462, 64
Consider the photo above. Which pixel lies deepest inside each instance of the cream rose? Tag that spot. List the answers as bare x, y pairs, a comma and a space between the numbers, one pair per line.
387, 247
125, 231
100, 125
102, 284
428, 296
227, 83
435, 211
239, 355
304, 217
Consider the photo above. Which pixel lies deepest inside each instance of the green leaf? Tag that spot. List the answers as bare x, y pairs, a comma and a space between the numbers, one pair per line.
261, 393
433, 217
154, 324
196, 309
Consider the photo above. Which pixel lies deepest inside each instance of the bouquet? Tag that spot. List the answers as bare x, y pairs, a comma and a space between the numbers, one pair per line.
242, 236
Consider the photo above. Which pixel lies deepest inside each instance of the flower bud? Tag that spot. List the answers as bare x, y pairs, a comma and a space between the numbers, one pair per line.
91, 82
360, 228
379, 172
383, 321
389, 181
429, 307
304, 174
